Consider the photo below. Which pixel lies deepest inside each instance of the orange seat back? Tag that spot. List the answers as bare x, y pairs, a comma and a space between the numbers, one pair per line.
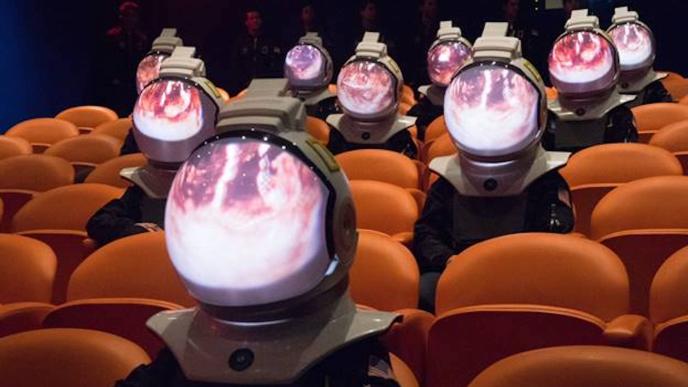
91, 149
380, 165
137, 266
318, 129
64, 208
14, 146
440, 147
574, 366
88, 117
35, 173
377, 253
437, 128
27, 269
674, 138
109, 171
652, 117
22, 316
118, 128
43, 132
67, 358
124, 317
536, 268
676, 85
383, 207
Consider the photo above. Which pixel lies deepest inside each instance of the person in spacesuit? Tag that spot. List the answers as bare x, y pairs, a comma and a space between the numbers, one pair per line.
589, 108
368, 90
501, 181
308, 66
636, 45
260, 226
172, 115
446, 55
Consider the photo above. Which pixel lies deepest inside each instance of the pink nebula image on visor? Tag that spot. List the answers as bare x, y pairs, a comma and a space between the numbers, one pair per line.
633, 42
246, 215
304, 63
169, 110
581, 57
365, 88
148, 70
444, 59
491, 110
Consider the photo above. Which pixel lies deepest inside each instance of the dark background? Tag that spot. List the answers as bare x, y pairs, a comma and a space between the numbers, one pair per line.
49, 49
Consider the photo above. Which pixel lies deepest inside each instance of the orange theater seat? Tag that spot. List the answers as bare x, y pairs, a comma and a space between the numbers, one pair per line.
577, 366
440, 147
24, 176
27, 269
674, 138
67, 358
643, 222
526, 291
318, 129
43, 132
124, 317
437, 128
14, 146
403, 374
382, 165
108, 172
593, 172
22, 316
407, 95
669, 306
378, 253
684, 101
58, 217
676, 85
137, 266
118, 128
650, 118
385, 208
86, 118
85, 152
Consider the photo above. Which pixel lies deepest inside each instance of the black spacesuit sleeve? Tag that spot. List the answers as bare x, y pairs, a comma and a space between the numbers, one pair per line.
117, 219
656, 92
129, 146
336, 143
160, 373
554, 212
432, 241
621, 126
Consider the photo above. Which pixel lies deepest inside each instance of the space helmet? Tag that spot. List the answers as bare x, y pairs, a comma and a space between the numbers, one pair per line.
447, 54
634, 41
308, 65
148, 68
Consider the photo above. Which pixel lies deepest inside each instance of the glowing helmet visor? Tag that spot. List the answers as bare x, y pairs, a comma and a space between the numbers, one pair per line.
582, 62
305, 66
635, 45
492, 110
172, 111
148, 70
246, 223
444, 59
366, 89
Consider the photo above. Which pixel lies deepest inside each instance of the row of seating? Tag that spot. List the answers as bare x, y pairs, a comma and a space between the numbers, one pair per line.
500, 297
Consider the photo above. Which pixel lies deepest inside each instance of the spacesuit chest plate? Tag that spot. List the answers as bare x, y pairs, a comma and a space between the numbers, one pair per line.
478, 218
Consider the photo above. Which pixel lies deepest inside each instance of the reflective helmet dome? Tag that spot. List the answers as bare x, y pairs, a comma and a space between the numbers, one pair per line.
171, 117
635, 44
444, 59
366, 89
492, 110
246, 223
307, 66
148, 70
583, 62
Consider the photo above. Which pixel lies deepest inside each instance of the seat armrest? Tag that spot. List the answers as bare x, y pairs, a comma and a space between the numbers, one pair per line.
630, 331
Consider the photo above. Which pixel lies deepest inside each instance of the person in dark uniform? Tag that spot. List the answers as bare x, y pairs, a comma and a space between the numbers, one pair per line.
256, 54
172, 115
590, 108
368, 90
636, 45
501, 181
261, 229
446, 55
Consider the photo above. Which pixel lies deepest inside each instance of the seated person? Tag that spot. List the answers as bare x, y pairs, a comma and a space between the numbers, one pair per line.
446, 55
501, 181
260, 230
368, 90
